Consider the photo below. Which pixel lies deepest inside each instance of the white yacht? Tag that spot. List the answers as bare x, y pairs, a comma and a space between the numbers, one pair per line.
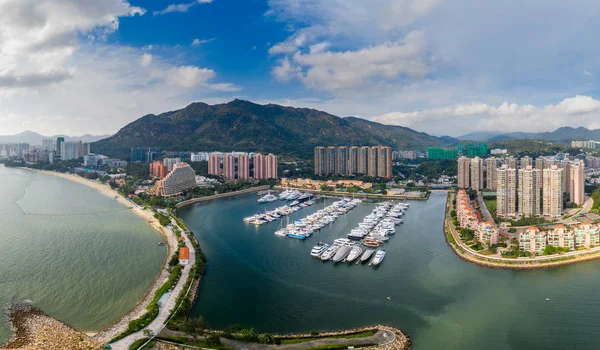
267, 199
354, 253
378, 258
319, 249
329, 252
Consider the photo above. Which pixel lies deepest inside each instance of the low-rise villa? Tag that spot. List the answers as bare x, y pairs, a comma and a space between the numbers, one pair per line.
584, 236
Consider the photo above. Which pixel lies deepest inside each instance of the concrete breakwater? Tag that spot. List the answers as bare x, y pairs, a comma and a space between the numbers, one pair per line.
221, 195
400, 341
35, 330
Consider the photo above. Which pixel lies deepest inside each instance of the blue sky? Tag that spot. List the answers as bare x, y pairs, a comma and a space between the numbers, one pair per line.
447, 67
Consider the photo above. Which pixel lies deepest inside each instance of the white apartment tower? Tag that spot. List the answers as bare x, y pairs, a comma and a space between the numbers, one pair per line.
477, 174
552, 204
506, 192
491, 175
529, 192
577, 183
464, 169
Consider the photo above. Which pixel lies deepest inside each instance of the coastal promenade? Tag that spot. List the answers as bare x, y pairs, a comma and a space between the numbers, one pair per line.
360, 195
537, 262
165, 311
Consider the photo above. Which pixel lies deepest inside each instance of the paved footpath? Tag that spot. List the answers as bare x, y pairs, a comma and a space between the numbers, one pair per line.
381, 337
164, 312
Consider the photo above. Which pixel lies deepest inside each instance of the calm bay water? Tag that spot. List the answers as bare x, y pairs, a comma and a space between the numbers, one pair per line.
272, 284
78, 255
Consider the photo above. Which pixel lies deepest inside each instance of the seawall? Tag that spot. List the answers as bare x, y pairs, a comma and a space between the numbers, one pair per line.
221, 195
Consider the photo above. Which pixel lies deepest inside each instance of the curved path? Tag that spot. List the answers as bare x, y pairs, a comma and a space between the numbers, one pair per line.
164, 312
380, 338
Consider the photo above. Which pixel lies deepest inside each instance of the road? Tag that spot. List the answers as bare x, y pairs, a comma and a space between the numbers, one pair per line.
381, 337
164, 312
483, 208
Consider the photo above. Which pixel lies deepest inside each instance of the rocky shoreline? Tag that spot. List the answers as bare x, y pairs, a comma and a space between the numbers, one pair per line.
34, 330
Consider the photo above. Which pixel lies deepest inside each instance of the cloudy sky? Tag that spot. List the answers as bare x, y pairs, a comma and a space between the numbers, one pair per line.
446, 67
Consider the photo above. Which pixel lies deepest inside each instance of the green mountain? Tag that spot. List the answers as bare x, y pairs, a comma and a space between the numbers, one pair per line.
246, 126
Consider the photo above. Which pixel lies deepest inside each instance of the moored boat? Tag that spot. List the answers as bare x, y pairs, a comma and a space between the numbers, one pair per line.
354, 253
378, 258
366, 255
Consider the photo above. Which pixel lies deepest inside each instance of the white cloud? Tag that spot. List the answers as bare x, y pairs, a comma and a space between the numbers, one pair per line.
506, 117
57, 76
37, 38
350, 70
146, 60
588, 73
197, 41
184, 7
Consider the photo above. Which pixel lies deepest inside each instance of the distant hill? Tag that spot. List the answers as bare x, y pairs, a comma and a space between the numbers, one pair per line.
36, 139
482, 136
245, 126
563, 134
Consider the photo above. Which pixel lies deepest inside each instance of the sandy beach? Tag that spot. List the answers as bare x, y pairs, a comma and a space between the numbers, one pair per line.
120, 325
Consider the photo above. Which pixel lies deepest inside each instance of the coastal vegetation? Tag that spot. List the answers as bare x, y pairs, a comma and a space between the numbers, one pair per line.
152, 309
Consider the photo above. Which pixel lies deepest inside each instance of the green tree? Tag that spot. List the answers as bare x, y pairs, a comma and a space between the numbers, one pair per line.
194, 327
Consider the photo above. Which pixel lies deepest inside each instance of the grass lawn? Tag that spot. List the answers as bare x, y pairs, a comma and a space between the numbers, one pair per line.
486, 252
347, 336
491, 205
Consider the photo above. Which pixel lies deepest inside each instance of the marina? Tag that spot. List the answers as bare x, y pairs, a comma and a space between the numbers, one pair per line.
430, 289
279, 212
375, 229
304, 228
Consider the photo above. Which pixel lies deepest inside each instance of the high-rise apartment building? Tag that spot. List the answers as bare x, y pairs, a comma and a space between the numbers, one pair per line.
341, 161
271, 166
49, 145
158, 169
243, 167
70, 150
566, 165
260, 167
525, 162
540, 165
529, 192
552, 201
320, 163
476, 174
353, 160
577, 183
371, 161
214, 164
330, 160
363, 160
144, 154
511, 162
491, 170
506, 192
384, 162
464, 171
229, 166
170, 162
59, 141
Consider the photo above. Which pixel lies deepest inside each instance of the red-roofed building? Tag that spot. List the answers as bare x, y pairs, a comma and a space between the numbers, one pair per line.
184, 256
